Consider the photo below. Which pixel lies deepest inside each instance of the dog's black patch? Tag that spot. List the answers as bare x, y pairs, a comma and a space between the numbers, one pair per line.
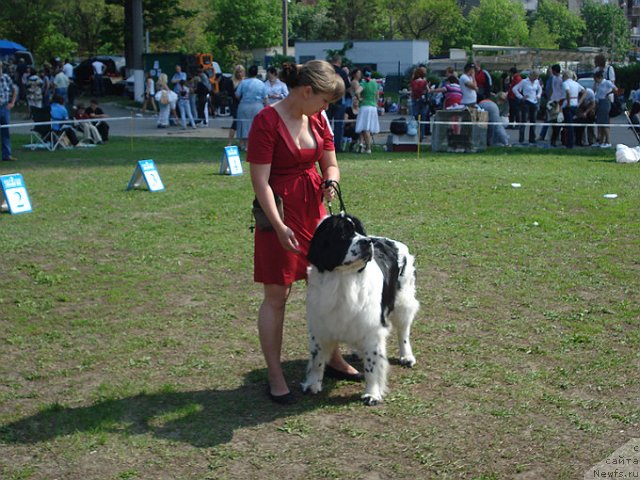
331, 241
385, 254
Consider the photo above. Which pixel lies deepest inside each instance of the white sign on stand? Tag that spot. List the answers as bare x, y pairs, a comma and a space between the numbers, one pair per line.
146, 173
15, 198
230, 163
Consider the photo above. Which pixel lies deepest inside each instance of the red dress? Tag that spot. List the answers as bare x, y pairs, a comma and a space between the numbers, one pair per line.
295, 178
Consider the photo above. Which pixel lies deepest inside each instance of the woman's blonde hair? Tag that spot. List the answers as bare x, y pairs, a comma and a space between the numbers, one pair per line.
162, 80
236, 75
317, 74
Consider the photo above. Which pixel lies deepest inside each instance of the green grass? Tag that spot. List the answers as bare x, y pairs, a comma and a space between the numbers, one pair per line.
128, 345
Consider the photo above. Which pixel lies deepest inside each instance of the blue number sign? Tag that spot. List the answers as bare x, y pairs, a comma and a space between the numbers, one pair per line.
230, 164
146, 173
15, 197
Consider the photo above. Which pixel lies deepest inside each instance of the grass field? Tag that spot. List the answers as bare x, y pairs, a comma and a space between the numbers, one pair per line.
129, 350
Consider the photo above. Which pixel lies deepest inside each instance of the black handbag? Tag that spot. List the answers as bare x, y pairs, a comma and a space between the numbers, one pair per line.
261, 220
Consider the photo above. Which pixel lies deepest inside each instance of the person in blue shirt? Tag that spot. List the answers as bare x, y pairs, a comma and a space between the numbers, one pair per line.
59, 112
252, 94
177, 77
276, 88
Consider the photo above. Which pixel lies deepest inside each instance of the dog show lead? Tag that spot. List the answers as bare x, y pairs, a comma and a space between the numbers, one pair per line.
286, 141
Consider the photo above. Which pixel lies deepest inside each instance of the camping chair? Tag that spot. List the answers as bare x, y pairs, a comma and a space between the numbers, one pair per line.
43, 136
635, 128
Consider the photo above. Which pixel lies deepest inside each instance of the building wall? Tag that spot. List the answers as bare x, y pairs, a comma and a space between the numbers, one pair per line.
388, 56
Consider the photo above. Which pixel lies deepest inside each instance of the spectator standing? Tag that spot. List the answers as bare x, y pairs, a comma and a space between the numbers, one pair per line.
338, 109
184, 103
546, 94
419, 87
484, 82
8, 97
149, 94
61, 83
67, 68
367, 123
468, 85
21, 73
252, 94
574, 92
608, 72
603, 89
276, 88
203, 89
34, 87
514, 104
99, 70
558, 97
165, 98
238, 77
94, 111
177, 78
528, 92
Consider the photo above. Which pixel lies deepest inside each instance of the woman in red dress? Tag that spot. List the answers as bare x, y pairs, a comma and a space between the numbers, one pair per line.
286, 141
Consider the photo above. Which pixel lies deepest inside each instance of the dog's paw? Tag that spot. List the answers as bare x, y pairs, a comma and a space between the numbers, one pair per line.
311, 388
371, 400
408, 361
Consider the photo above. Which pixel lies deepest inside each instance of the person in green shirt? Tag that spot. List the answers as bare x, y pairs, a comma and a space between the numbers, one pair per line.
367, 123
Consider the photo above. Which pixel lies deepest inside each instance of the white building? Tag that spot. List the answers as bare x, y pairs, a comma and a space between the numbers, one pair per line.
388, 57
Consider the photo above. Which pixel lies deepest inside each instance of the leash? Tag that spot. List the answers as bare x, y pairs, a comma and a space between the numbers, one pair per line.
336, 187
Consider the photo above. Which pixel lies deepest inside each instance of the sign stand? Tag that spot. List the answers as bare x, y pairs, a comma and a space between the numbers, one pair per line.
15, 198
230, 163
146, 173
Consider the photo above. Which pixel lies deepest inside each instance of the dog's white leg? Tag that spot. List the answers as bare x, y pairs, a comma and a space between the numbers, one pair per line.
375, 368
319, 355
402, 318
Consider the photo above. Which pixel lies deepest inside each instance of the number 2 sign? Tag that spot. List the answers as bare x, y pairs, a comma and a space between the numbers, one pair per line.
15, 198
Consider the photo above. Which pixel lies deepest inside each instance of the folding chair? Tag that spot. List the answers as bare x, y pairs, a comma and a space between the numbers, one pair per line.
634, 127
43, 136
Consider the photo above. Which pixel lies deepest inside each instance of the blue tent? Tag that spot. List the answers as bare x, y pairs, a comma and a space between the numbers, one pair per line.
7, 47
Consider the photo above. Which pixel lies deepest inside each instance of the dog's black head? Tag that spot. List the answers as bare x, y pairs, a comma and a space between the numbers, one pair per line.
339, 240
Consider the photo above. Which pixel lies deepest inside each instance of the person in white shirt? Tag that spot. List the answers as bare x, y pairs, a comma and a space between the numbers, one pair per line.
468, 85
573, 91
603, 88
67, 68
528, 91
99, 69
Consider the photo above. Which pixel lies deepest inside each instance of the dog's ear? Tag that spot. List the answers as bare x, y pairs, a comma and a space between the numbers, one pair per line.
358, 224
329, 244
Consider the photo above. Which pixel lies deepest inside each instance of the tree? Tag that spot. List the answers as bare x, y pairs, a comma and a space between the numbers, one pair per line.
566, 26
310, 22
243, 25
357, 19
541, 37
499, 22
162, 18
25, 23
439, 21
606, 26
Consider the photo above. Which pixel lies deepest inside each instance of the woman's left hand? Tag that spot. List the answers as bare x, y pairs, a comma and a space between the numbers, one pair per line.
328, 192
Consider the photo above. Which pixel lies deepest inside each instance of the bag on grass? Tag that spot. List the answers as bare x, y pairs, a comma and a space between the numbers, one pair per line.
626, 154
412, 127
398, 126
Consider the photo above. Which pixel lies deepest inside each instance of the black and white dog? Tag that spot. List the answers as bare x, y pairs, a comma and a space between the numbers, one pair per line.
359, 286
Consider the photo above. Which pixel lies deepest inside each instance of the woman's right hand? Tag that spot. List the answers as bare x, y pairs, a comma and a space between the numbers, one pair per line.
288, 239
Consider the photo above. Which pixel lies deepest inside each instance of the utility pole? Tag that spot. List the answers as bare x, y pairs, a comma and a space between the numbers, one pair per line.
134, 45
285, 27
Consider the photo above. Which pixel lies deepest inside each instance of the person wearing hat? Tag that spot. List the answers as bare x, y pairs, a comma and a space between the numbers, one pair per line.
8, 95
468, 85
